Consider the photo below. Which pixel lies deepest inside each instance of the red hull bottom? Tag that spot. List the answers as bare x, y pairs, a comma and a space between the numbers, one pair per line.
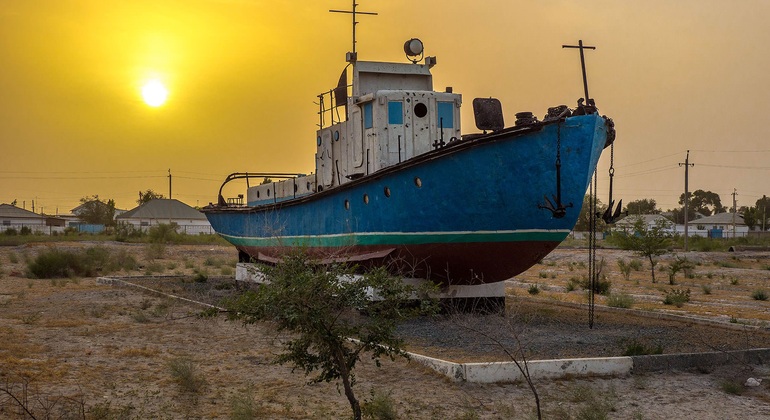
460, 264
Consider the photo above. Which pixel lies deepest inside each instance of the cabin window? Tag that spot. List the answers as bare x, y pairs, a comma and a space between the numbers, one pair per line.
446, 114
420, 110
368, 120
6, 222
395, 112
318, 141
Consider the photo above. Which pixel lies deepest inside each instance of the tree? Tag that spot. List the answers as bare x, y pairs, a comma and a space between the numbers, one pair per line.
319, 304
148, 196
703, 202
648, 241
642, 206
584, 219
750, 216
96, 211
762, 208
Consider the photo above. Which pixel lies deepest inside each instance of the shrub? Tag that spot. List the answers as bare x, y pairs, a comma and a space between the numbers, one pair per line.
379, 406
759, 295
635, 265
186, 375
601, 286
11, 232
625, 269
533, 289
25, 230
155, 250
620, 300
677, 297
706, 289
54, 263
164, 233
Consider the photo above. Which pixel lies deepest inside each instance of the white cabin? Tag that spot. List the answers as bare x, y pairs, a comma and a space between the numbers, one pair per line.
390, 113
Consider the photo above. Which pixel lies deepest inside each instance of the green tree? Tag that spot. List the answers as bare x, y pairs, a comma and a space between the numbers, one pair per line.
762, 212
147, 196
584, 219
642, 206
648, 241
750, 216
703, 202
320, 305
95, 211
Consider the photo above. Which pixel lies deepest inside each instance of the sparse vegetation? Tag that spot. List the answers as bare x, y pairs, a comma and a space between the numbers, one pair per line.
620, 300
625, 269
379, 406
186, 375
759, 294
636, 348
677, 297
533, 289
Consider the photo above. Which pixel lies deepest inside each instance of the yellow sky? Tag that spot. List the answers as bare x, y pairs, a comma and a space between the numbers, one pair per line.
242, 76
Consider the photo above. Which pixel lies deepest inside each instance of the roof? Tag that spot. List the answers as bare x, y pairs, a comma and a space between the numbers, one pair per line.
649, 219
720, 219
8, 211
163, 208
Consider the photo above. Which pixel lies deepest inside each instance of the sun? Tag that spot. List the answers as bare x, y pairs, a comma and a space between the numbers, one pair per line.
154, 93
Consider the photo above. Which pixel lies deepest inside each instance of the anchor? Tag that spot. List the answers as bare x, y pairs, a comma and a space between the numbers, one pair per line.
557, 209
609, 215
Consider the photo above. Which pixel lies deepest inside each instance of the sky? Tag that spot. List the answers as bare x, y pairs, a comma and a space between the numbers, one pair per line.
242, 77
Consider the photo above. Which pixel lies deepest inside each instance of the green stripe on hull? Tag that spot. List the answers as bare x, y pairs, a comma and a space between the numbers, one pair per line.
364, 239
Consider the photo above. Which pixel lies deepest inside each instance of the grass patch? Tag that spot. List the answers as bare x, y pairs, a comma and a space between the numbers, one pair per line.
759, 295
186, 375
533, 289
380, 406
636, 348
731, 387
620, 300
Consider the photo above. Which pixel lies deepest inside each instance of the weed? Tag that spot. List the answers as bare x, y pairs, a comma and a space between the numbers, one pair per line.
759, 295
201, 276
625, 269
620, 300
171, 266
573, 283
601, 286
105, 411
706, 289
635, 265
153, 268
709, 275
13, 258
155, 250
140, 317
54, 263
543, 275
533, 289
677, 297
731, 387
226, 270
734, 281
186, 375
32, 318
145, 304
243, 405
380, 406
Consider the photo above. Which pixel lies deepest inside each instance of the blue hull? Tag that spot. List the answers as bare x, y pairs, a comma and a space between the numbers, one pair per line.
466, 213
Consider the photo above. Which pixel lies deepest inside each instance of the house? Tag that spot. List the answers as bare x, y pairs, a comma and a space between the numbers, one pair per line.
721, 225
165, 211
12, 217
74, 219
627, 223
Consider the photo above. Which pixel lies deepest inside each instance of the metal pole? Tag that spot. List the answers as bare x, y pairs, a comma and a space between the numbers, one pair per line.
687, 165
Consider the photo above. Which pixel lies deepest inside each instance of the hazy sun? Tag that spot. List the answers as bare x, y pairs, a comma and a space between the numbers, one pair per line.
154, 93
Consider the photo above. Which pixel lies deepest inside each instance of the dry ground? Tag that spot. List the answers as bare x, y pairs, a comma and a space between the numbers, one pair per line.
74, 346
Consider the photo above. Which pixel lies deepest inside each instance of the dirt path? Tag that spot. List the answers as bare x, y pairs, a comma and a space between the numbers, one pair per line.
76, 345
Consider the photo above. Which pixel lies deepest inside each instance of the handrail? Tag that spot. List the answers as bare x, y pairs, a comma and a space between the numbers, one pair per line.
221, 202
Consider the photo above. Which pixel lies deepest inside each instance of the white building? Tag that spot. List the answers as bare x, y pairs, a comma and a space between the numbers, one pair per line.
12, 217
721, 225
166, 211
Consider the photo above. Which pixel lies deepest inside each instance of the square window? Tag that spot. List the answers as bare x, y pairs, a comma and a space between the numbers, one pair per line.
395, 112
446, 114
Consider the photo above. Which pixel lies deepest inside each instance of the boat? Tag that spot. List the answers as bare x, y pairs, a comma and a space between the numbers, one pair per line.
397, 183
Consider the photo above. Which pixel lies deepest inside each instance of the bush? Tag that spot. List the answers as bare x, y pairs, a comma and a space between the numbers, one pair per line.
759, 295
186, 375
25, 230
620, 300
625, 269
11, 232
381, 406
164, 233
602, 285
677, 297
58, 264
533, 289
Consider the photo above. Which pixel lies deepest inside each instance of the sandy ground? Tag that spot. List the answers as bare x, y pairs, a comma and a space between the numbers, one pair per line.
73, 347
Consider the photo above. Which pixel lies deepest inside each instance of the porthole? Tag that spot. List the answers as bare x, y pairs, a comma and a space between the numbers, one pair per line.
336, 135
420, 110
366, 198
387, 192
347, 205
417, 182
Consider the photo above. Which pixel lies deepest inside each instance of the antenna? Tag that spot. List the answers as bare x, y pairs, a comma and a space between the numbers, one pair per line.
352, 56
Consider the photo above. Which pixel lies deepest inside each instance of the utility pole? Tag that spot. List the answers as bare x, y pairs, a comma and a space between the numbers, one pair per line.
687, 165
169, 184
764, 210
735, 209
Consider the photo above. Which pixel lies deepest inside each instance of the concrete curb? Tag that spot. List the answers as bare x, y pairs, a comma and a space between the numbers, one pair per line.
502, 372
